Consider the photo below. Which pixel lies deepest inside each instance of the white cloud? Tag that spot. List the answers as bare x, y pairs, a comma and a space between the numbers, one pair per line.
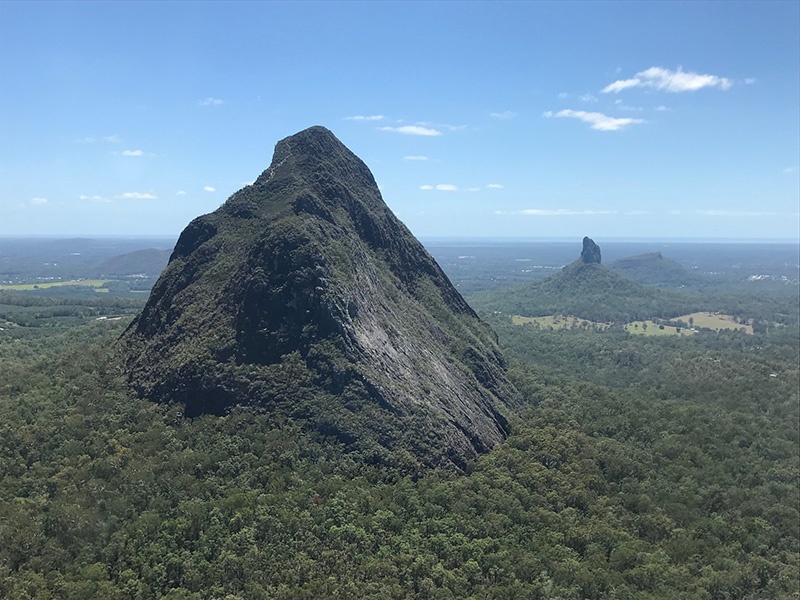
495, 186
180, 193
663, 108
503, 116
415, 158
750, 80
559, 212
412, 130
132, 153
735, 213
94, 198
473, 189
588, 98
790, 170
449, 127
39, 201
208, 188
365, 118
442, 187
137, 196
669, 81
210, 102
111, 139
597, 120
563, 95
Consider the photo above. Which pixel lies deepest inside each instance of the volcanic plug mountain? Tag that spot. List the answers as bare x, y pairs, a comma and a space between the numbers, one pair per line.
304, 295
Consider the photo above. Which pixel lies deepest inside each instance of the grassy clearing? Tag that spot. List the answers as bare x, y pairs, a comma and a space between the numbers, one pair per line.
715, 321
28, 287
654, 329
699, 320
559, 322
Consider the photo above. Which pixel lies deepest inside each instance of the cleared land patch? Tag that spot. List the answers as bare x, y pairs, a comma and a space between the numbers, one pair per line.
27, 287
693, 322
715, 321
559, 322
653, 328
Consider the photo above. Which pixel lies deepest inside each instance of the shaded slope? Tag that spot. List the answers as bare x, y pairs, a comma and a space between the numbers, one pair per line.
150, 262
653, 268
304, 294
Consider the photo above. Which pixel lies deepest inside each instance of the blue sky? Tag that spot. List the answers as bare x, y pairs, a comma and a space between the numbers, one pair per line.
645, 120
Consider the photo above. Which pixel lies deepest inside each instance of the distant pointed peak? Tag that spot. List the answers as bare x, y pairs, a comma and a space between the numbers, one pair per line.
591, 252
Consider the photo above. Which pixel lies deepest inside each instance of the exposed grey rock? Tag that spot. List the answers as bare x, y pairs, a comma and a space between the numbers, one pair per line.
304, 294
591, 252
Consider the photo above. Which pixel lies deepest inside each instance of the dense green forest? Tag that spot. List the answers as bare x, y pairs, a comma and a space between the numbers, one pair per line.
639, 468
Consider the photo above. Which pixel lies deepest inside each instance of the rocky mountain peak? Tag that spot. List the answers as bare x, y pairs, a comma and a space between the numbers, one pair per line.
304, 295
591, 252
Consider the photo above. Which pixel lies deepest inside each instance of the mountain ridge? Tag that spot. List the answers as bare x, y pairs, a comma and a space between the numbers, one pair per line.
305, 285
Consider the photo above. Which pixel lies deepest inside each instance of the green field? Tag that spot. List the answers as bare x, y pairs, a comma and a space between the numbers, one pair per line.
653, 328
698, 320
559, 322
27, 287
715, 321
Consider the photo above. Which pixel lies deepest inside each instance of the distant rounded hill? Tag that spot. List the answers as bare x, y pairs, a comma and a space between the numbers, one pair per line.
149, 262
589, 290
303, 295
654, 269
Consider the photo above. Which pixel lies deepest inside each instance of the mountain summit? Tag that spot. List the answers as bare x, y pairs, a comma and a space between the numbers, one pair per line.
304, 295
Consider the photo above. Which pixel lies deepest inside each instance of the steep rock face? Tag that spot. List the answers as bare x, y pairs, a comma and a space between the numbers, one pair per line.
304, 294
591, 252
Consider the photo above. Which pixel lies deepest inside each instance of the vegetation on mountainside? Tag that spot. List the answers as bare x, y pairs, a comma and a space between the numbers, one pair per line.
304, 288
641, 468
588, 291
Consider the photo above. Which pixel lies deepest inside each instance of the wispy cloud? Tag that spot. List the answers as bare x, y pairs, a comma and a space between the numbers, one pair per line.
180, 193
558, 212
110, 139
132, 153
597, 120
412, 130
669, 81
790, 170
415, 158
503, 116
495, 186
94, 198
750, 80
663, 108
365, 118
441, 187
637, 212
735, 213
588, 98
210, 102
39, 201
622, 106
208, 188
137, 196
